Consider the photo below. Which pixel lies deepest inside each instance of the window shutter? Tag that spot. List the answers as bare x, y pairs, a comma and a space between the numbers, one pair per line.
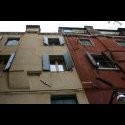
61, 40
9, 63
68, 61
1, 37
45, 40
91, 59
46, 62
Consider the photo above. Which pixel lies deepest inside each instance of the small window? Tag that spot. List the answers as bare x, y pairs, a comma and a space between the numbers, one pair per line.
3, 62
12, 41
6, 61
86, 42
64, 99
53, 41
101, 61
121, 42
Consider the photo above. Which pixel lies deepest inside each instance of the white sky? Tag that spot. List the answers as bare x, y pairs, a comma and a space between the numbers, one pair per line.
52, 26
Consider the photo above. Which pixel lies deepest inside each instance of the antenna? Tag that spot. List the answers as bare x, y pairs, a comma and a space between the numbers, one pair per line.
118, 23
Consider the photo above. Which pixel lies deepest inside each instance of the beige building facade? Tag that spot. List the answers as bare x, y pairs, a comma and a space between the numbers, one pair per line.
37, 68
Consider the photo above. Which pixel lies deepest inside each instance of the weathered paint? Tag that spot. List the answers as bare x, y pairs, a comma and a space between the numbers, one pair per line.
97, 91
23, 83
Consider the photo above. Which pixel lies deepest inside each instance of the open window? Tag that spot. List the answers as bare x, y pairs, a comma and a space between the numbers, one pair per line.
12, 41
64, 99
102, 61
53, 41
57, 63
6, 62
3, 61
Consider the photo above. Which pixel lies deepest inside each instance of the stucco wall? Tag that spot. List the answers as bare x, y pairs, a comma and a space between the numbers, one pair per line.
29, 58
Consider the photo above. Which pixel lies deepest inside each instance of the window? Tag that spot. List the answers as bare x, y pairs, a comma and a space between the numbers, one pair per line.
101, 61
12, 41
3, 61
67, 30
6, 61
2, 65
53, 41
1, 37
56, 63
121, 42
64, 99
86, 42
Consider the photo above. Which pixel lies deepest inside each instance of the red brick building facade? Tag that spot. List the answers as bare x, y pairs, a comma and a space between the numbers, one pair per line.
99, 57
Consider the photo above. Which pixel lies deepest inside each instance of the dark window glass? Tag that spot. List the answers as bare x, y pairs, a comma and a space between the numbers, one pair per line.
3, 61
53, 41
103, 61
64, 99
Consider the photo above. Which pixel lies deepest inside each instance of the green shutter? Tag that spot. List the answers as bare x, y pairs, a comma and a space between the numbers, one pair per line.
45, 40
68, 61
61, 40
46, 62
91, 59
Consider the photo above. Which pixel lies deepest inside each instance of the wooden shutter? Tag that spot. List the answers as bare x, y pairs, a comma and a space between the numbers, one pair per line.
61, 40
68, 61
46, 62
91, 59
9, 63
45, 40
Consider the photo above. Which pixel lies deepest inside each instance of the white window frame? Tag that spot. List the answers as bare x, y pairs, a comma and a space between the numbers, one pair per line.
56, 68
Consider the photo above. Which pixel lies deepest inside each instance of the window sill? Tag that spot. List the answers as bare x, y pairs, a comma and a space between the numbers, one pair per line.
108, 68
53, 45
11, 45
56, 71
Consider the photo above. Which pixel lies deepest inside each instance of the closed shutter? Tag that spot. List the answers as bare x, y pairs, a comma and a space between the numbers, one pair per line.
68, 61
91, 59
9, 63
46, 62
45, 40
61, 40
